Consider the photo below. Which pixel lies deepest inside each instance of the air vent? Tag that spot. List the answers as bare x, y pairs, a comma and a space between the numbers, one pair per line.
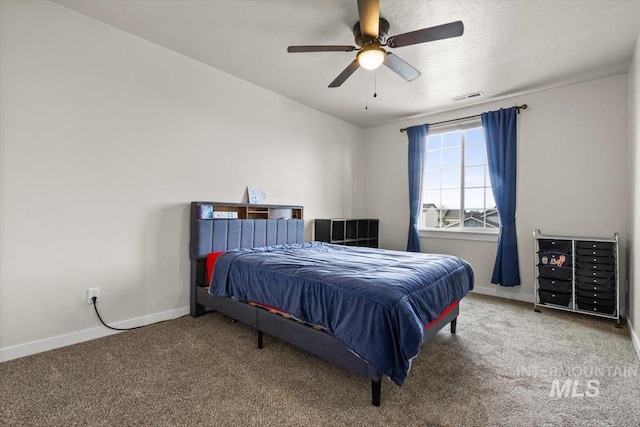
468, 96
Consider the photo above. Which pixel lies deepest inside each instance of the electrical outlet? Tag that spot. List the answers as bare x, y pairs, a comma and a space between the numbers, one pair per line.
93, 292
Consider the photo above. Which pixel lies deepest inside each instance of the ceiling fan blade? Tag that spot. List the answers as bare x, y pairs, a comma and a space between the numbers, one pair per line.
369, 12
445, 31
401, 68
295, 49
345, 74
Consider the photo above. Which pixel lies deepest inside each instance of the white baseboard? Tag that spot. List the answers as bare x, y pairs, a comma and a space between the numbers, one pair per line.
502, 292
46, 344
634, 337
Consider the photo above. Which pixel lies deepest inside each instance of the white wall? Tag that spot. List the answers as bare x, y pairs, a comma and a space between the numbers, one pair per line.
572, 175
634, 255
105, 140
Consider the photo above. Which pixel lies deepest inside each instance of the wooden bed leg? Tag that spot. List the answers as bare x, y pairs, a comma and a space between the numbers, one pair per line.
453, 325
376, 387
260, 339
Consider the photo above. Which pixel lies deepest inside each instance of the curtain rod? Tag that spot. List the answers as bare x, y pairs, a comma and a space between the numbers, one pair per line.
519, 107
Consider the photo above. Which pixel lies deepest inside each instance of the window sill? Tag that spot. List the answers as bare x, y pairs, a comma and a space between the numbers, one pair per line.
482, 236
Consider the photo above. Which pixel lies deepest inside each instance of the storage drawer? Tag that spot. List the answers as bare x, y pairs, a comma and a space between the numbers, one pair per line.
554, 298
596, 308
552, 285
591, 280
596, 302
578, 274
596, 288
596, 273
553, 258
551, 272
598, 295
590, 266
558, 246
595, 252
596, 259
585, 244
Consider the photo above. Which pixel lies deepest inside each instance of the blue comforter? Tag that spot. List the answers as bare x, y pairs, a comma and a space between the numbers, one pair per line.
377, 302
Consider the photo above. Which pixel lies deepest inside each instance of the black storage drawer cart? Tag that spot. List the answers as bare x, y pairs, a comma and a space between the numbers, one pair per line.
577, 274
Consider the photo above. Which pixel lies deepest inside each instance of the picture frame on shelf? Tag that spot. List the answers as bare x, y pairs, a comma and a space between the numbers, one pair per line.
256, 196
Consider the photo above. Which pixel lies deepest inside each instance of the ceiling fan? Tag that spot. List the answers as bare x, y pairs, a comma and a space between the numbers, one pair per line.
371, 34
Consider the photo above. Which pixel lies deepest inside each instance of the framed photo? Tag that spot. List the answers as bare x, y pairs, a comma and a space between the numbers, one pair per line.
257, 196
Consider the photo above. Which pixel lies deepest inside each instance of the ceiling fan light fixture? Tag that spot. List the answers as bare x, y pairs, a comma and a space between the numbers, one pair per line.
371, 57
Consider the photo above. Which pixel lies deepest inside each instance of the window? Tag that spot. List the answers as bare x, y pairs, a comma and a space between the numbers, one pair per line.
456, 186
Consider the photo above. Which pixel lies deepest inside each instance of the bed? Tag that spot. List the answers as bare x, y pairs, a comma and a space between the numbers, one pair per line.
364, 316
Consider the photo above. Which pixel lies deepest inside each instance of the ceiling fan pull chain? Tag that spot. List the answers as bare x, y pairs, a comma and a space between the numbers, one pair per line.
366, 98
375, 84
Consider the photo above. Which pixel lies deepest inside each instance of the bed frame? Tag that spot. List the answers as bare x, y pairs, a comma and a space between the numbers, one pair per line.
213, 235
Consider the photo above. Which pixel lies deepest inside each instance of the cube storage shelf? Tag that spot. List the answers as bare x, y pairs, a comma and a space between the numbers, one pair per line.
347, 231
578, 274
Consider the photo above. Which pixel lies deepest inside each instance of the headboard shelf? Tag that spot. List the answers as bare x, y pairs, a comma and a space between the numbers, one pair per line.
218, 210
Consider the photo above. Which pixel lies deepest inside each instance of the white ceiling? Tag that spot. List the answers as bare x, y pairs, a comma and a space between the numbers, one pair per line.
508, 47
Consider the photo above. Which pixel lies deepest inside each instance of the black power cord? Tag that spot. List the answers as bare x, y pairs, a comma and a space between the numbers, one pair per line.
95, 306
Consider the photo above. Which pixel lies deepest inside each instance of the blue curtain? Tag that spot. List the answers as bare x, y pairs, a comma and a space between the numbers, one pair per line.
500, 134
417, 144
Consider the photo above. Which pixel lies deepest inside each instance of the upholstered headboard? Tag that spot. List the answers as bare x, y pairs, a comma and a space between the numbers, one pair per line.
214, 235
217, 227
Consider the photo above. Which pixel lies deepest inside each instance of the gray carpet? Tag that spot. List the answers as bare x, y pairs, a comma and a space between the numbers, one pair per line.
498, 370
